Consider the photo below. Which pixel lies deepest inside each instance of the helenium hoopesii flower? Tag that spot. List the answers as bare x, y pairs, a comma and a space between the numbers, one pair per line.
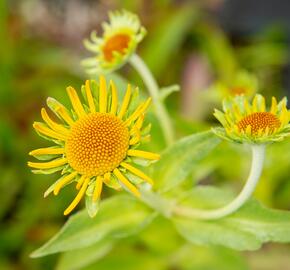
118, 42
96, 141
253, 123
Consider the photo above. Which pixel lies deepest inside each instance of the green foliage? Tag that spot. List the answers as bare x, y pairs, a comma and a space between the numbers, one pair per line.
119, 216
246, 229
179, 159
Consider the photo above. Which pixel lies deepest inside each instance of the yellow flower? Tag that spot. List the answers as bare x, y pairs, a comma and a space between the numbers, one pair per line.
119, 41
95, 142
252, 123
243, 83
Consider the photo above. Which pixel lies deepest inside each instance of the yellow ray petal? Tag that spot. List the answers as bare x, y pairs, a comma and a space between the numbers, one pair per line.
75, 101
63, 113
284, 116
90, 97
139, 111
63, 182
139, 122
262, 104
125, 103
137, 172
46, 151
48, 132
135, 139
126, 182
98, 188
255, 104
247, 107
48, 165
56, 127
77, 198
114, 104
274, 106
80, 182
103, 95
143, 154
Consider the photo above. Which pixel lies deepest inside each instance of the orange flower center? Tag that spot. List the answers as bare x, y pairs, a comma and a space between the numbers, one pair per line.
97, 144
238, 90
117, 43
259, 121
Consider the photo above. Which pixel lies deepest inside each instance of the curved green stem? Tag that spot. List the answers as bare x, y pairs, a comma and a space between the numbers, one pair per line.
258, 154
153, 90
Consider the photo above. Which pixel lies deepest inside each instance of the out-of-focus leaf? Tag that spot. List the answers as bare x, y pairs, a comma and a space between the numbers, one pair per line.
178, 160
77, 259
167, 91
119, 216
167, 36
246, 229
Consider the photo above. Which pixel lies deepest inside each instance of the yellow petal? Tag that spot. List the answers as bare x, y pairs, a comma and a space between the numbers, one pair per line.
48, 132
143, 154
56, 127
274, 106
77, 198
63, 182
137, 172
75, 101
126, 182
63, 113
139, 111
48, 165
125, 103
114, 104
80, 182
98, 188
103, 95
47, 151
90, 97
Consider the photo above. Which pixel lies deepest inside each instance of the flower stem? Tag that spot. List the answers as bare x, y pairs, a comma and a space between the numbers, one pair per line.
258, 154
153, 90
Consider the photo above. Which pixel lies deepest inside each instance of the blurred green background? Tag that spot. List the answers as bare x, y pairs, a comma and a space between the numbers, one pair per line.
191, 43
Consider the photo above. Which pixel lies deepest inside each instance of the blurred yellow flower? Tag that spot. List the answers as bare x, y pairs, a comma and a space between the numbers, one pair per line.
119, 41
252, 123
95, 143
243, 83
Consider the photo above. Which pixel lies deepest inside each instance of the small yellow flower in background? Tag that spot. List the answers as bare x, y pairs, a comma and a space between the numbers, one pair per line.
252, 123
95, 142
118, 42
243, 83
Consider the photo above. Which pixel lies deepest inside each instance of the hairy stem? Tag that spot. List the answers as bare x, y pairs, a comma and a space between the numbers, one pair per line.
258, 154
153, 90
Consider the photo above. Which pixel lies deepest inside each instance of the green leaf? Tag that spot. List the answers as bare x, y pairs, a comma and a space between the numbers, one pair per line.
247, 229
179, 159
118, 216
165, 92
77, 259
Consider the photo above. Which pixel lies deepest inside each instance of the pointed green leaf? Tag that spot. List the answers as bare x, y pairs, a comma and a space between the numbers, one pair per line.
118, 216
80, 258
179, 159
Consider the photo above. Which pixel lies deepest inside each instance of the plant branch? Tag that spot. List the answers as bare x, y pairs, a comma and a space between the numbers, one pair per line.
153, 90
258, 154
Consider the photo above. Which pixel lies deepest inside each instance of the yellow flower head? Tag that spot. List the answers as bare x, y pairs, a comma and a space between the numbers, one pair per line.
96, 142
243, 83
119, 41
252, 123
